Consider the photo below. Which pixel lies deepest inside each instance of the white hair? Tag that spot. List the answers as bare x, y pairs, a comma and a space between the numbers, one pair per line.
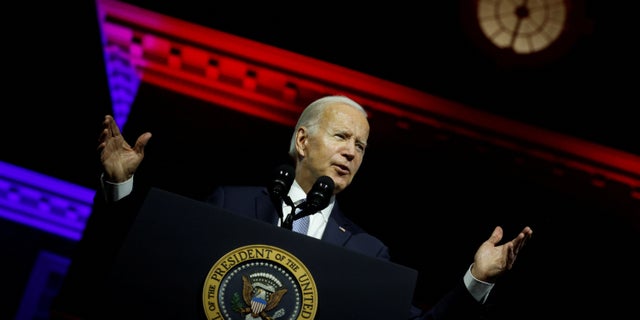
312, 114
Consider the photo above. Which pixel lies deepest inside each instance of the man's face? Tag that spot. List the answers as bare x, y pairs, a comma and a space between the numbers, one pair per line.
335, 149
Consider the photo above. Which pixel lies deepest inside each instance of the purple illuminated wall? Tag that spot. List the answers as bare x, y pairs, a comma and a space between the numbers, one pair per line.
44, 202
51, 204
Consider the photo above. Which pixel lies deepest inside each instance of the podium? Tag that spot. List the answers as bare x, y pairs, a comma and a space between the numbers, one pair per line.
186, 259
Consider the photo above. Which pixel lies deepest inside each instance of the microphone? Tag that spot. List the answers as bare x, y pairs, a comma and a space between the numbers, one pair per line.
279, 187
318, 197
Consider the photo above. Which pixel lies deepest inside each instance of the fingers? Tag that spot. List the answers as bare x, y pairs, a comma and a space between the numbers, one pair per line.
511, 256
521, 239
496, 236
142, 142
527, 232
107, 131
112, 126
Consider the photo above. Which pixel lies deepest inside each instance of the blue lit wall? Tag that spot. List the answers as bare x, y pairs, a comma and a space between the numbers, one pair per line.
54, 126
44, 202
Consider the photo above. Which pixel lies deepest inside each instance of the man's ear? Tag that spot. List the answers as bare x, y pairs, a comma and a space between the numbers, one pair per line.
301, 140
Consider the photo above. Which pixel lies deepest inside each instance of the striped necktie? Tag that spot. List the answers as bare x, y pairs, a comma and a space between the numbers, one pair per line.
301, 225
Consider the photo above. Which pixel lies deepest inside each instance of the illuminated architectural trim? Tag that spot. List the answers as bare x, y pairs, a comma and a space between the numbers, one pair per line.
43, 202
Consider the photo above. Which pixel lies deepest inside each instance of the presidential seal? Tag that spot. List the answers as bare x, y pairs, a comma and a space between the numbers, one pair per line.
259, 282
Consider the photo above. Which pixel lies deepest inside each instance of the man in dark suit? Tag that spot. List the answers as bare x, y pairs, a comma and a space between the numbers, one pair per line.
329, 140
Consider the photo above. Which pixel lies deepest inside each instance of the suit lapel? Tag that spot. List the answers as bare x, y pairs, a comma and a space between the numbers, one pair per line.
337, 230
265, 210
335, 234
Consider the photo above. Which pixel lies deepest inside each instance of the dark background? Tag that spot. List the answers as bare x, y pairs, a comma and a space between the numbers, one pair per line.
433, 202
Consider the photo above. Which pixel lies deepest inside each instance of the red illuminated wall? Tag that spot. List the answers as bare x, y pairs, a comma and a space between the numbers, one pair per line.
273, 84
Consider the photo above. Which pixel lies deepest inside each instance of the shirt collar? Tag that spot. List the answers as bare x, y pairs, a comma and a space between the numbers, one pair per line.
296, 193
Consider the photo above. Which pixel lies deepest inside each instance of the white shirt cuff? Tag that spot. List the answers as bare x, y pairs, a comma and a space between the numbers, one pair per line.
116, 191
478, 289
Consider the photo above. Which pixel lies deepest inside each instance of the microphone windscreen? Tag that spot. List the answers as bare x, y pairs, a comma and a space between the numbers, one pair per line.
282, 180
321, 192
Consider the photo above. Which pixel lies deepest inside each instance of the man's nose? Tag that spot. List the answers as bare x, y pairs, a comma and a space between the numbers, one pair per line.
350, 151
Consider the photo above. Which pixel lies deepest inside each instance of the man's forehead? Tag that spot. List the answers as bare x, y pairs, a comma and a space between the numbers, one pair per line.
347, 126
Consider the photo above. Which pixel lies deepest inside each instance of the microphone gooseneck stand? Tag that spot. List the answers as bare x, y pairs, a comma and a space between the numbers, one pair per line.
288, 222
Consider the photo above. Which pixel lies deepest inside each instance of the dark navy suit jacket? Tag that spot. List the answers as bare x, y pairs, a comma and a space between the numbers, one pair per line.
254, 202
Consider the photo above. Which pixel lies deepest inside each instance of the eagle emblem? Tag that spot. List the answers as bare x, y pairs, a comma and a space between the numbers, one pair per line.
252, 283
261, 292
